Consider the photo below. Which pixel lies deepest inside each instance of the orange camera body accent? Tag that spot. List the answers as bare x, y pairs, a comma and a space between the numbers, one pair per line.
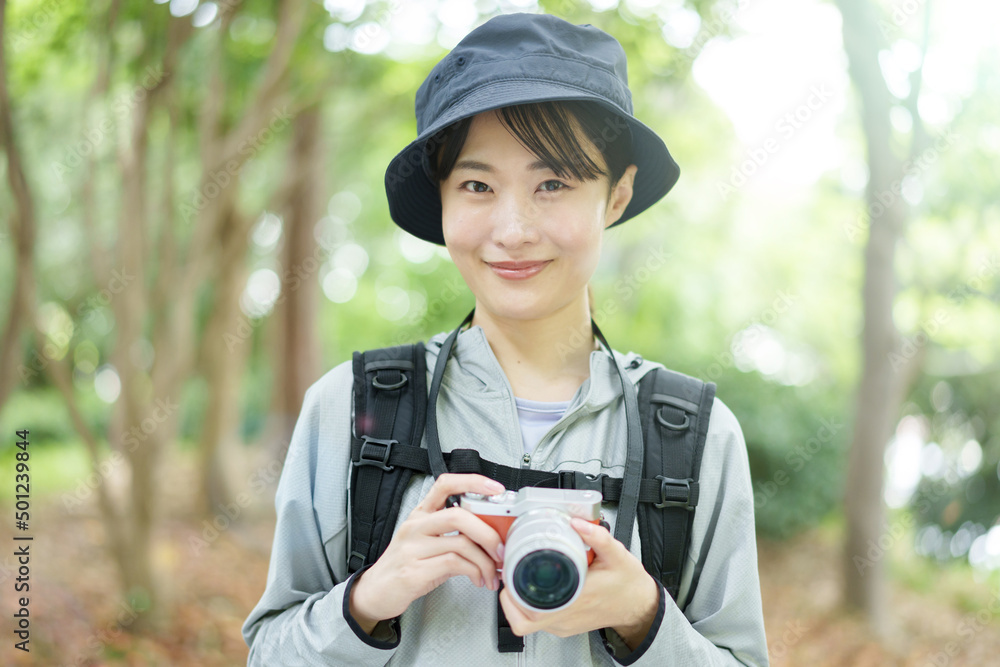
500, 512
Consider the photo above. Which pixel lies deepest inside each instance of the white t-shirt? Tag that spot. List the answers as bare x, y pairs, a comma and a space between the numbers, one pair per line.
536, 418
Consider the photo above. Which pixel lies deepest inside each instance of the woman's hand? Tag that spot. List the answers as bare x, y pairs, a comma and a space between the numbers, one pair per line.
421, 556
618, 593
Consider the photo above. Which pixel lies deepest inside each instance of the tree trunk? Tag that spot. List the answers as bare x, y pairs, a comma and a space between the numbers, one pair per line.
222, 363
297, 334
143, 448
22, 228
881, 387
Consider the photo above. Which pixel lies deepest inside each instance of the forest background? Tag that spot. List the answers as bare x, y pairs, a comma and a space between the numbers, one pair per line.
193, 229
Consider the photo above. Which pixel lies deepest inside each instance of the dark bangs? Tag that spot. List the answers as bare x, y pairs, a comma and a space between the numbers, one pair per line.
546, 130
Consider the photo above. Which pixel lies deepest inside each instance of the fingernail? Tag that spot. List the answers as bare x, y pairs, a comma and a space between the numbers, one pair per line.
494, 486
496, 582
482, 582
500, 552
583, 526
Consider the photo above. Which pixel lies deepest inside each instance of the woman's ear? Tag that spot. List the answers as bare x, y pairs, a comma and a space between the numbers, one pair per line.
621, 195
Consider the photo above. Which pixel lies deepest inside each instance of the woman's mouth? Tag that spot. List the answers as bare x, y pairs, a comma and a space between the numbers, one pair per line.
517, 270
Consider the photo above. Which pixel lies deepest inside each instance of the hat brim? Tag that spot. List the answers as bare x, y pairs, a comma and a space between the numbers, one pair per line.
415, 201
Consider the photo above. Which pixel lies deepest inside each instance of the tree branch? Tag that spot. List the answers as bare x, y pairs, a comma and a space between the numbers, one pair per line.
22, 228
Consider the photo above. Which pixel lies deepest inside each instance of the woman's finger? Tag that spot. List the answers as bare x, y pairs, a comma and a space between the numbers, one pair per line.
451, 564
430, 548
605, 546
450, 484
520, 623
466, 523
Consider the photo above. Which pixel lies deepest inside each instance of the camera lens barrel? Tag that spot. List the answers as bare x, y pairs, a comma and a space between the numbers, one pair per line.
545, 561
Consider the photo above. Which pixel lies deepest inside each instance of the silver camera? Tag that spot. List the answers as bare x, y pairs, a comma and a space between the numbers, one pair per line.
545, 561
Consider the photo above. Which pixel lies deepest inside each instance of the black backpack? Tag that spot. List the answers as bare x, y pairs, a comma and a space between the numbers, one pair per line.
390, 407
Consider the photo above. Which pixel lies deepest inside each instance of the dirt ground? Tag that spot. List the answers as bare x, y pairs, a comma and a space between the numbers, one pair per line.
77, 620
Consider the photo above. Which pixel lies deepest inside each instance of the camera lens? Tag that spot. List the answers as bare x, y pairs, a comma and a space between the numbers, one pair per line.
546, 579
545, 561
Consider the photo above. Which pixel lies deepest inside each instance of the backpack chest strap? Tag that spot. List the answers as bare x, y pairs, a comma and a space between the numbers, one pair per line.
661, 491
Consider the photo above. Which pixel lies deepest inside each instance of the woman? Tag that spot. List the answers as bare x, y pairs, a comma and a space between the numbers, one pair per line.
527, 151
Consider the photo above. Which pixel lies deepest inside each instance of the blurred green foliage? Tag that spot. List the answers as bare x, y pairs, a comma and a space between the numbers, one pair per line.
43, 413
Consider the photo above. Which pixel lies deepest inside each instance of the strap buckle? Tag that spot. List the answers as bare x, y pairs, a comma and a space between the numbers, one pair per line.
374, 458
581, 480
356, 561
587, 482
680, 494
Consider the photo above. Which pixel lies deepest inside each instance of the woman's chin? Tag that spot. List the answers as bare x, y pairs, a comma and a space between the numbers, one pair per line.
513, 309
520, 307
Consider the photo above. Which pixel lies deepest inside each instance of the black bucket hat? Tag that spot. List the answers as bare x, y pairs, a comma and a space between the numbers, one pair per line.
518, 59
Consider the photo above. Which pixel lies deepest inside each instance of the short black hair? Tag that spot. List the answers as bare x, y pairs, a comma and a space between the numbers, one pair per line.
546, 129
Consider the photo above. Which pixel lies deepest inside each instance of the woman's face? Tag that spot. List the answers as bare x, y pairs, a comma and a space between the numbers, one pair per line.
525, 240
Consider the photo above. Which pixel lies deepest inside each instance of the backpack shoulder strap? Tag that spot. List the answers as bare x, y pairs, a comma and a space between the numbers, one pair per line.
675, 410
390, 403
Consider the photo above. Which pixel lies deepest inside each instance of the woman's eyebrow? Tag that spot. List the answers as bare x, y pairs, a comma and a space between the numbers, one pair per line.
476, 165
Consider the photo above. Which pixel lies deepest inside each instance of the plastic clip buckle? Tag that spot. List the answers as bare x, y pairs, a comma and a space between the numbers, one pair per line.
379, 461
677, 483
589, 482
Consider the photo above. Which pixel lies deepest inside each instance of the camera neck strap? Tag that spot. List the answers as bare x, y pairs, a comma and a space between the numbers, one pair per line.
632, 476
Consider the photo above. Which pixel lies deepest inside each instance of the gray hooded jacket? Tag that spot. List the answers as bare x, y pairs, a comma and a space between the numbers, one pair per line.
303, 619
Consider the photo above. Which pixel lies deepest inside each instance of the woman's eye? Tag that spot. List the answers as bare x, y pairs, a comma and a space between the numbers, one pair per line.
552, 186
475, 186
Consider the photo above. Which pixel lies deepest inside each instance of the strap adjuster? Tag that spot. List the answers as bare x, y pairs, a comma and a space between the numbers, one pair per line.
371, 456
589, 482
677, 493
575, 479
356, 561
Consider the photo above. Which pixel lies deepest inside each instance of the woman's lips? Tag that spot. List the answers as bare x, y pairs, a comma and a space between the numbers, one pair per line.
517, 270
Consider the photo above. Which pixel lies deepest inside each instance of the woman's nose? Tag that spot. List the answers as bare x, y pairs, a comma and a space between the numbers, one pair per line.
515, 221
